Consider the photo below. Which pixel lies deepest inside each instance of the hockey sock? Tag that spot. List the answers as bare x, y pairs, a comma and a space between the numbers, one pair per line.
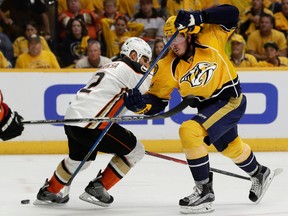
250, 165
54, 185
114, 172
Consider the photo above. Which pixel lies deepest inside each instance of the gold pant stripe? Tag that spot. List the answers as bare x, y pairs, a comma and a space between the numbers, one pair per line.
230, 106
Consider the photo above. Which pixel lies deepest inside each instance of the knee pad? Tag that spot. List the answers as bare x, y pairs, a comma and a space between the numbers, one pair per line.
237, 150
192, 136
135, 155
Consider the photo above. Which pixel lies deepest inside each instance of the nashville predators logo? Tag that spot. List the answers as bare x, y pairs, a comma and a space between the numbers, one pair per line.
200, 74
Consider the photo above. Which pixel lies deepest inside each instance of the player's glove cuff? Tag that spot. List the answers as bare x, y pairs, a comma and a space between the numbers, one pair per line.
11, 125
145, 110
188, 20
134, 101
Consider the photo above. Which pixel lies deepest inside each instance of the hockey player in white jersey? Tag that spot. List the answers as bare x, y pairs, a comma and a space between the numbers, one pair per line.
102, 97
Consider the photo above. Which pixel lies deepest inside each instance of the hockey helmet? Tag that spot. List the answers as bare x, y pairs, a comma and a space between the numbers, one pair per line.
139, 46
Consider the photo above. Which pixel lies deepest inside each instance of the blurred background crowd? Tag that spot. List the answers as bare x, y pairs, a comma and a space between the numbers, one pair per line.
89, 33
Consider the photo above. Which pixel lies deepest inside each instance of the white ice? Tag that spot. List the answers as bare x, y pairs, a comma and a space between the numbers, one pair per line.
153, 187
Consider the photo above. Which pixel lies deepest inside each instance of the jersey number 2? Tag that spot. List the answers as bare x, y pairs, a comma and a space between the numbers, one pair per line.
98, 77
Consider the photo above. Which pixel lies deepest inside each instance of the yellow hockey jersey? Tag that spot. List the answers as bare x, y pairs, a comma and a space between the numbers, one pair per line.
208, 74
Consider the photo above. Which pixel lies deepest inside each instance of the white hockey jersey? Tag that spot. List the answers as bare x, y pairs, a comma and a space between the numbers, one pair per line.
102, 95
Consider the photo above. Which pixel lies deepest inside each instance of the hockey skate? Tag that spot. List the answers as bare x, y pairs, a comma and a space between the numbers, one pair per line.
260, 183
46, 197
95, 193
200, 201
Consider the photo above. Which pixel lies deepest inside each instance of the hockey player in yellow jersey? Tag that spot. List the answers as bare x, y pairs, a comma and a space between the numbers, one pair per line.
197, 65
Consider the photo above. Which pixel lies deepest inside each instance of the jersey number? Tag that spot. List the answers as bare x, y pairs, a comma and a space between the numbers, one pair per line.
98, 76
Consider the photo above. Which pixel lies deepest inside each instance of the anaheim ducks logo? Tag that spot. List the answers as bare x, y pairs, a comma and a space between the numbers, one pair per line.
200, 74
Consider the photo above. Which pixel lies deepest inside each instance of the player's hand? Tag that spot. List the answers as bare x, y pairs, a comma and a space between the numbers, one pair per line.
134, 101
186, 19
11, 125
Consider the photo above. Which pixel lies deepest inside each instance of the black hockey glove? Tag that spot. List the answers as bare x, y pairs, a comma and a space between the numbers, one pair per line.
10, 126
186, 19
134, 101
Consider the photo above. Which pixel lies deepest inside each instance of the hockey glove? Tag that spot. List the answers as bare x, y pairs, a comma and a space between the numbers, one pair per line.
10, 126
188, 20
134, 101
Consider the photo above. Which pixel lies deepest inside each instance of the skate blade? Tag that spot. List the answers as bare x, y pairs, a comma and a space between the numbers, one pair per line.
90, 199
272, 174
203, 208
44, 202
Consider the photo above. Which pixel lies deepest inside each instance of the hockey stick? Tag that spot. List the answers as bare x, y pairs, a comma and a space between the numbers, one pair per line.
67, 188
182, 105
185, 163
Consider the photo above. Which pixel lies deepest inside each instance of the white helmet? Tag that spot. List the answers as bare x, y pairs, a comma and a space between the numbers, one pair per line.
139, 46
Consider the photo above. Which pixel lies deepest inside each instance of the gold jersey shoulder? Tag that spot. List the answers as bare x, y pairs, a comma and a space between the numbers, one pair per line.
203, 74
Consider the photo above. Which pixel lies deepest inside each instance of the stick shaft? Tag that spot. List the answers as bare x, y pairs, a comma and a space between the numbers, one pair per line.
165, 157
182, 105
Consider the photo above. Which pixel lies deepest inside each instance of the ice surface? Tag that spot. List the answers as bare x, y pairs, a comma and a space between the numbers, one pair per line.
153, 187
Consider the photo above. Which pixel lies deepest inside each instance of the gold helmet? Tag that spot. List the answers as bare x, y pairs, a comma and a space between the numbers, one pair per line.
169, 28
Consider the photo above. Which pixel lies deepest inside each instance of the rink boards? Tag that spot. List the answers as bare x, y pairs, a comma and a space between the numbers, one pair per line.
45, 94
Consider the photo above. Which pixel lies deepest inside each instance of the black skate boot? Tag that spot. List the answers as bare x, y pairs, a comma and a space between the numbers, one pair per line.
260, 182
95, 193
46, 197
200, 201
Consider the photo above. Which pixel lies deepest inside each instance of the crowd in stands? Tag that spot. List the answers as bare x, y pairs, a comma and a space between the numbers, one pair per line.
89, 33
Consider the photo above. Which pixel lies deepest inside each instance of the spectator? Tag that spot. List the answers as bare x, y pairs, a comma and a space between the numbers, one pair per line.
6, 48
272, 56
212, 3
118, 56
22, 11
85, 4
174, 6
252, 18
281, 18
36, 57
3, 61
110, 9
20, 45
123, 30
257, 39
238, 56
157, 48
130, 7
90, 19
273, 5
94, 59
98, 6
75, 45
153, 20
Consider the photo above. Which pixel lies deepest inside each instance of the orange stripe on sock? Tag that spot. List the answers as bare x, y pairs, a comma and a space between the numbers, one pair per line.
55, 186
109, 178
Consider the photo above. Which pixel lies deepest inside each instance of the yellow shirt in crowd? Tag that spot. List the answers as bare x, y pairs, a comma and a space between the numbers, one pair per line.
46, 59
